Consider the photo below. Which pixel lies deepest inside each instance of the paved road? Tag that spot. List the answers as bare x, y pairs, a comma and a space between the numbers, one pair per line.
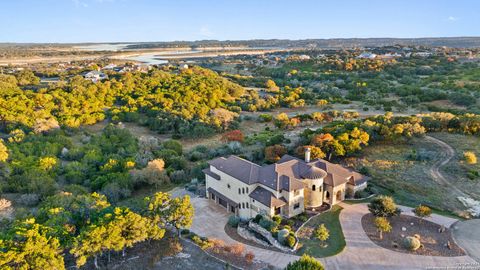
467, 235
360, 252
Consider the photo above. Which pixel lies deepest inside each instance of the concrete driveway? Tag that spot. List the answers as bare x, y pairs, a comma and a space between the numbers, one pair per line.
467, 235
360, 252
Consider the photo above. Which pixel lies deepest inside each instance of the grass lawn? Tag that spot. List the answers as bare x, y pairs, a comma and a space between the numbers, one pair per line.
336, 241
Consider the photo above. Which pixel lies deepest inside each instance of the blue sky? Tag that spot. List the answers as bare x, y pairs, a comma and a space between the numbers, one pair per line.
160, 20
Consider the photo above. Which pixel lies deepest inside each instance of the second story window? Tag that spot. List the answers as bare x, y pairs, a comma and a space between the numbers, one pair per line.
239, 191
228, 185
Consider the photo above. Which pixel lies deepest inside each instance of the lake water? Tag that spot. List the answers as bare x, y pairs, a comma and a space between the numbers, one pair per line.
103, 47
147, 58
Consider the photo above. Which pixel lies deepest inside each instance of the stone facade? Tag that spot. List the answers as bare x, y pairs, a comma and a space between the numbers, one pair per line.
285, 188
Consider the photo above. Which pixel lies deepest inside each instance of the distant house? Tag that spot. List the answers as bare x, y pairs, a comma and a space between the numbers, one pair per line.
422, 54
95, 76
109, 67
367, 55
286, 188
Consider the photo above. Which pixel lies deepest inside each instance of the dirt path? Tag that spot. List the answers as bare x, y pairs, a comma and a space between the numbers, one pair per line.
435, 169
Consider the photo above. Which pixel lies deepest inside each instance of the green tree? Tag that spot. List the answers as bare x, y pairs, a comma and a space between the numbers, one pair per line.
180, 213
26, 77
3, 152
383, 225
305, 262
28, 246
322, 234
271, 86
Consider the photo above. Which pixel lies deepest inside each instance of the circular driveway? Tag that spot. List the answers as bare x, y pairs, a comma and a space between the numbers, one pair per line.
359, 253
467, 235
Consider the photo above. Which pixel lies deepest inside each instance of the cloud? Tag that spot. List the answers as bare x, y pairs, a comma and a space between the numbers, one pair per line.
79, 3
206, 32
452, 18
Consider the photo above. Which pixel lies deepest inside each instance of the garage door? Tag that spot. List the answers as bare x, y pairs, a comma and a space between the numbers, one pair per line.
222, 202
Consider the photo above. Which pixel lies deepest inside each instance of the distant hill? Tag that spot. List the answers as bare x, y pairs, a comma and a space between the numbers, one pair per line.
455, 42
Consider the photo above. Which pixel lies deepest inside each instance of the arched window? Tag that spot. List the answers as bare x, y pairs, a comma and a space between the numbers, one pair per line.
327, 195
246, 204
247, 189
313, 187
243, 205
239, 191
243, 190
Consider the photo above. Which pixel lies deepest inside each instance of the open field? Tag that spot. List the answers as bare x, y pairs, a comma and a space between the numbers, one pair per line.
457, 169
403, 170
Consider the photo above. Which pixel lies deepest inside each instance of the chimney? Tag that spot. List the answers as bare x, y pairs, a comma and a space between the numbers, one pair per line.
307, 154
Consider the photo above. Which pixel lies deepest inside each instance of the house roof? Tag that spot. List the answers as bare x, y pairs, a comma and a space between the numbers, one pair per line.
238, 168
266, 198
288, 173
208, 172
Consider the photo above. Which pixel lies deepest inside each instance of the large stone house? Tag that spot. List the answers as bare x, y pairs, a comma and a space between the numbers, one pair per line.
286, 188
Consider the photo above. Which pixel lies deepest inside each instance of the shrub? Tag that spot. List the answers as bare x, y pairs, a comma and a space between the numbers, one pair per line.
264, 117
249, 257
4, 204
304, 263
178, 176
290, 241
282, 236
173, 145
422, 211
203, 243
302, 217
470, 157
233, 221
237, 249
472, 174
267, 224
411, 243
322, 233
383, 206
277, 219
233, 136
29, 199
257, 218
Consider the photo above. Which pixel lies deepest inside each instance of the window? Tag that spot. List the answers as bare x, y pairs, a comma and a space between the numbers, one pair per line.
296, 206
313, 187
243, 190
228, 185
239, 190
247, 189
243, 205
246, 204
